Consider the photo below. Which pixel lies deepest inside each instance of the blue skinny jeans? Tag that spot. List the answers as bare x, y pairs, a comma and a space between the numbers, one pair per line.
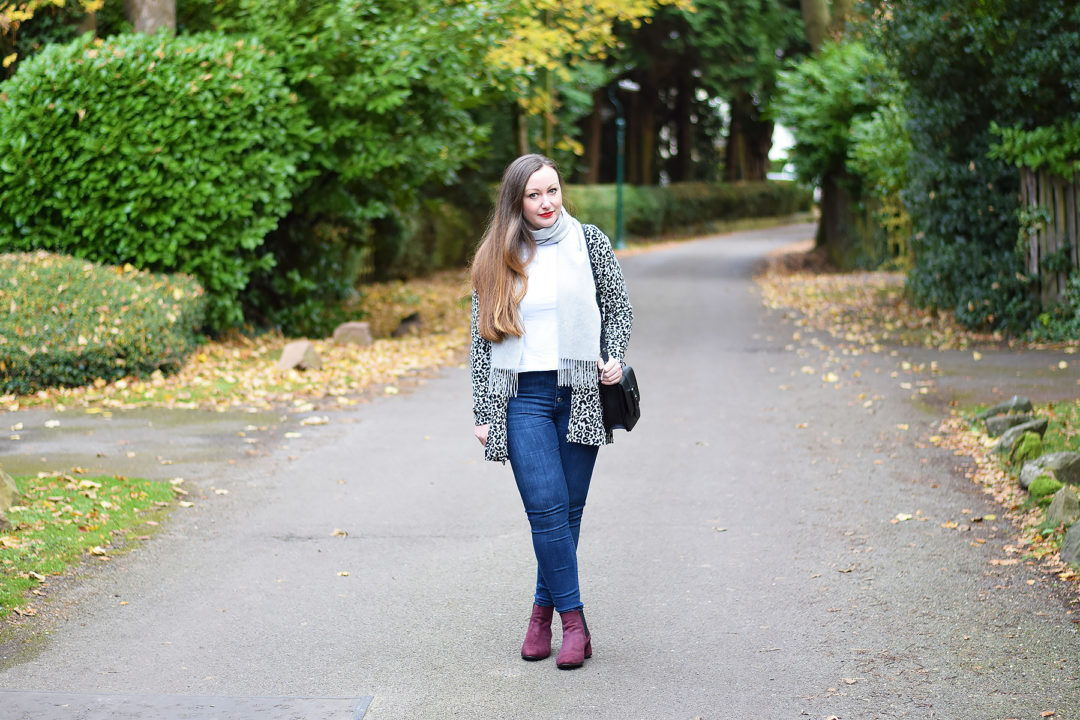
553, 478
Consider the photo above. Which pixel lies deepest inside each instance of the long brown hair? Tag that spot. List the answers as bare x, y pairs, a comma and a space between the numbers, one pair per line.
498, 268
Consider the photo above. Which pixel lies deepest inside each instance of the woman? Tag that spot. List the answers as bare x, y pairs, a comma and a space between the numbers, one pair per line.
550, 318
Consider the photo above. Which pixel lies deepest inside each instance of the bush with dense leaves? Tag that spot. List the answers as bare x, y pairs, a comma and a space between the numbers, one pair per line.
68, 322
388, 85
174, 155
968, 66
681, 208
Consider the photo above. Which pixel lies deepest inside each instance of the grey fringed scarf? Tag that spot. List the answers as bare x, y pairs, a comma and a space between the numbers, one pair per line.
576, 311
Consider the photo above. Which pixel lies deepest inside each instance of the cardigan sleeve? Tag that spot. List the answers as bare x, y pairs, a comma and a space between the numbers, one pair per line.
480, 365
616, 313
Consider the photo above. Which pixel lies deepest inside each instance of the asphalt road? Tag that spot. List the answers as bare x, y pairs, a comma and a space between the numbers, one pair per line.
741, 555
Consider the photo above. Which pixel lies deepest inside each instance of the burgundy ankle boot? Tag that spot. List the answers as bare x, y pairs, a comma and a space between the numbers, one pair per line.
537, 645
576, 643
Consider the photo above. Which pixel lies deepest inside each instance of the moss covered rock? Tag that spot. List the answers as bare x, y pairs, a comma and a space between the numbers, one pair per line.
1044, 485
1028, 447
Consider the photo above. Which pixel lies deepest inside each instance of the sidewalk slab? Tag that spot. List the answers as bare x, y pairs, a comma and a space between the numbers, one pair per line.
30, 705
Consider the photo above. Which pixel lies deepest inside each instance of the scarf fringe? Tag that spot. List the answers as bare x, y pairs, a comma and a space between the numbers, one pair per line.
503, 382
577, 373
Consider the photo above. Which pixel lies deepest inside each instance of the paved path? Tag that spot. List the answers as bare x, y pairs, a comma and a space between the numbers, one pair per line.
738, 559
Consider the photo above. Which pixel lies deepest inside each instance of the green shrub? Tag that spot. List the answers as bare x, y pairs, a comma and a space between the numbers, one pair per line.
682, 208
67, 322
174, 155
388, 86
967, 65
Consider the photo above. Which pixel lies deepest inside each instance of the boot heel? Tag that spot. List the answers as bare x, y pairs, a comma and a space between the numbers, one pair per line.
576, 642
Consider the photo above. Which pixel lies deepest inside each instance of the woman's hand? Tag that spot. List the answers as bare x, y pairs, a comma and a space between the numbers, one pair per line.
481, 433
611, 372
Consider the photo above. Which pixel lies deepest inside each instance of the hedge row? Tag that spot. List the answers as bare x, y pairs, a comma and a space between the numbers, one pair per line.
172, 154
67, 322
650, 212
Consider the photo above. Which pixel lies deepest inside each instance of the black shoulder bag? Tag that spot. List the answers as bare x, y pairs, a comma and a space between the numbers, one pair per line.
621, 402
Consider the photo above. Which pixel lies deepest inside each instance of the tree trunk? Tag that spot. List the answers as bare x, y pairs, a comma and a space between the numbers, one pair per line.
748, 144
837, 231
594, 132
521, 126
683, 167
149, 16
838, 18
816, 19
632, 165
647, 133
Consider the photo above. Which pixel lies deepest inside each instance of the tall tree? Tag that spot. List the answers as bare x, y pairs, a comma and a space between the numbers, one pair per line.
826, 20
545, 40
725, 54
149, 16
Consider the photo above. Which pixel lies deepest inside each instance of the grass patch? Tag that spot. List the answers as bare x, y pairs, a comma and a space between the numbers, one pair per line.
63, 520
1063, 432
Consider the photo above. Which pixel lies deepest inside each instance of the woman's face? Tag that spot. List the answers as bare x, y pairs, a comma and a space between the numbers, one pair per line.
543, 198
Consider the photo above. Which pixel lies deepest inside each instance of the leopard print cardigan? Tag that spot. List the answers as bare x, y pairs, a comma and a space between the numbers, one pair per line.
586, 417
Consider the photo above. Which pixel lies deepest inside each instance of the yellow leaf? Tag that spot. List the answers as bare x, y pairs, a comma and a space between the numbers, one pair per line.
9, 59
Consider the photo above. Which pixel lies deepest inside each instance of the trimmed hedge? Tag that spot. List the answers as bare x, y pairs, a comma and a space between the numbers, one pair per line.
67, 322
650, 211
172, 154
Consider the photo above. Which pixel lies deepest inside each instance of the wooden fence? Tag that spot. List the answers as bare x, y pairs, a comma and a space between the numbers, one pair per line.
1053, 203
